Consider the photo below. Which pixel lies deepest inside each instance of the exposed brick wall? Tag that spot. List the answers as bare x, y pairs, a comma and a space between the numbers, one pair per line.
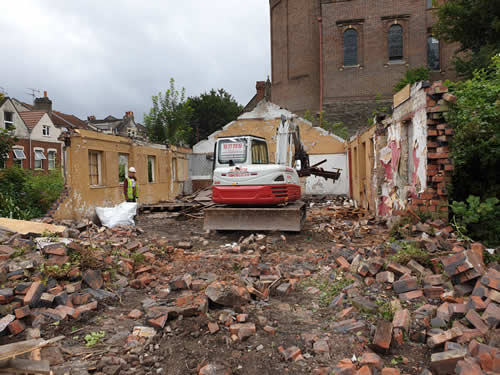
30, 156
295, 53
439, 165
353, 114
62, 197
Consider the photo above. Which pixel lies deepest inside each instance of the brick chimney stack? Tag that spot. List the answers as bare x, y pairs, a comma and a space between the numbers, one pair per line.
129, 114
91, 118
43, 104
261, 90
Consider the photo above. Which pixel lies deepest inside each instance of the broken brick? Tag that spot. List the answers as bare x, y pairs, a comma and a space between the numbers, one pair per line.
34, 293
442, 337
385, 277
213, 327
372, 360
343, 263
93, 278
401, 319
398, 269
445, 362
476, 303
406, 285
492, 315
474, 318
22, 312
408, 296
16, 327
383, 336
390, 371
290, 354
159, 322
321, 346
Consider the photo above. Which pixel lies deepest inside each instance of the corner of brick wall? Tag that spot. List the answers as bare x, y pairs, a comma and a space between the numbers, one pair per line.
439, 165
62, 197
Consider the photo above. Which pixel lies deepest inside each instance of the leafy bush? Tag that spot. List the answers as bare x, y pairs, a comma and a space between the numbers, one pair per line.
411, 76
479, 220
475, 148
25, 195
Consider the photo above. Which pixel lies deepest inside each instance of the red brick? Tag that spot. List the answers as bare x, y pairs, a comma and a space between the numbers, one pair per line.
16, 327
445, 362
213, 327
364, 370
343, 263
159, 322
390, 371
408, 296
401, 319
34, 293
383, 335
372, 360
22, 312
290, 354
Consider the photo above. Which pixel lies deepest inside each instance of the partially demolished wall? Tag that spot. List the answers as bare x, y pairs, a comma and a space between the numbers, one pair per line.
411, 168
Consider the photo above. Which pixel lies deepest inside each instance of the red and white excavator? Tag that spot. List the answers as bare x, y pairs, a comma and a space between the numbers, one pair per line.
253, 194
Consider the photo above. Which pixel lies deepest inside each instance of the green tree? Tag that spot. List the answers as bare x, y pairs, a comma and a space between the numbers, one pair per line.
211, 111
411, 76
168, 119
475, 26
336, 128
475, 148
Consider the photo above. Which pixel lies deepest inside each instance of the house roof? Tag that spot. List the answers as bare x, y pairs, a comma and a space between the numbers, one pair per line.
65, 120
5, 98
31, 118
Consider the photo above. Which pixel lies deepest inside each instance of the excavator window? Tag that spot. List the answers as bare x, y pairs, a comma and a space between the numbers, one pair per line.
232, 150
259, 152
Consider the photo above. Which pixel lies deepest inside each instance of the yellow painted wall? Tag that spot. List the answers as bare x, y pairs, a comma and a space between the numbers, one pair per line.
83, 198
315, 140
361, 149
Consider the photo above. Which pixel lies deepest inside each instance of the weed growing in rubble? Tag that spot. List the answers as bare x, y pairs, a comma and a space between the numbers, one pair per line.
329, 289
94, 338
50, 236
55, 271
408, 252
385, 310
18, 252
401, 229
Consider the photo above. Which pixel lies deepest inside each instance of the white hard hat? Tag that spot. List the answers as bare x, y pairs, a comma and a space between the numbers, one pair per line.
131, 169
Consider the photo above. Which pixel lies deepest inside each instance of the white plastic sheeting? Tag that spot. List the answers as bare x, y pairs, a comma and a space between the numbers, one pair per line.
123, 214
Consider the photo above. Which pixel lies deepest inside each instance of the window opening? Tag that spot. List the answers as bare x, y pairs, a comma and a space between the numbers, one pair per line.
433, 54
122, 167
151, 169
395, 42
350, 47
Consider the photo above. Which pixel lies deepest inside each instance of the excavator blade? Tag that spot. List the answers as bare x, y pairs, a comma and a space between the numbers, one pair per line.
289, 218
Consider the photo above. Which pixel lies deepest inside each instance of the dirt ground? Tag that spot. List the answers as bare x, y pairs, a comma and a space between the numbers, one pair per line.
185, 344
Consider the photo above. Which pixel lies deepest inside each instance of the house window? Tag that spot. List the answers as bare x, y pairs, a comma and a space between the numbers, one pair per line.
428, 4
39, 158
95, 168
433, 54
350, 47
8, 119
52, 159
151, 169
395, 42
174, 169
46, 130
122, 167
19, 156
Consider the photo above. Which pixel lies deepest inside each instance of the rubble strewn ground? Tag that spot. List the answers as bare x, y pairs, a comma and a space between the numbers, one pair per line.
345, 296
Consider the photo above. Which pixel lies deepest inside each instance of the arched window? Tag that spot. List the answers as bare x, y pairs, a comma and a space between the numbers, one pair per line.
350, 47
433, 55
396, 42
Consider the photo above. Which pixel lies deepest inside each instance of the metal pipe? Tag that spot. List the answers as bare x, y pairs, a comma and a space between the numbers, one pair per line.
320, 25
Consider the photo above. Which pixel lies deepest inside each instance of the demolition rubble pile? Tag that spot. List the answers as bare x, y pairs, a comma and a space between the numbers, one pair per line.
428, 289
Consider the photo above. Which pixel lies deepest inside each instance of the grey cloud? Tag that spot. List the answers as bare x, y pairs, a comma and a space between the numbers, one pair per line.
107, 57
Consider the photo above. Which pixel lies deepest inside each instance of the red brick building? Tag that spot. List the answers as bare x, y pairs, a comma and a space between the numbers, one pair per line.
340, 55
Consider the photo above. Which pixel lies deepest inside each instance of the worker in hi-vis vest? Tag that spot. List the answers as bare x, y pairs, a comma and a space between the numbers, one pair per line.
130, 186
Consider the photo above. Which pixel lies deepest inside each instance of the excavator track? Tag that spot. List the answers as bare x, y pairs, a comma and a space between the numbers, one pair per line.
289, 218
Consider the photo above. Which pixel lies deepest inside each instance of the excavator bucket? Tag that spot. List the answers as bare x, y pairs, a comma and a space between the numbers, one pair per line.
289, 218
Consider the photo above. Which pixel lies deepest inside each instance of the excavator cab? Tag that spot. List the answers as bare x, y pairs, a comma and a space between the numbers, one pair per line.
243, 174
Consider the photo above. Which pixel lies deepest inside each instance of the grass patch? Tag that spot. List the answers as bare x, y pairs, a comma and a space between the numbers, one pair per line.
329, 288
408, 252
385, 310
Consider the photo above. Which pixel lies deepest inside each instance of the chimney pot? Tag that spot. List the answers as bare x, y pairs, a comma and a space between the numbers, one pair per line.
45, 94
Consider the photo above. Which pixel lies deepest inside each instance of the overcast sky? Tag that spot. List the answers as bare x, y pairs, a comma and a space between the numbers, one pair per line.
110, 56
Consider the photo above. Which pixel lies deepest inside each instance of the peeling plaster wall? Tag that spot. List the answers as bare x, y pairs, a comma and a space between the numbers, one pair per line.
404, 158
83, 198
